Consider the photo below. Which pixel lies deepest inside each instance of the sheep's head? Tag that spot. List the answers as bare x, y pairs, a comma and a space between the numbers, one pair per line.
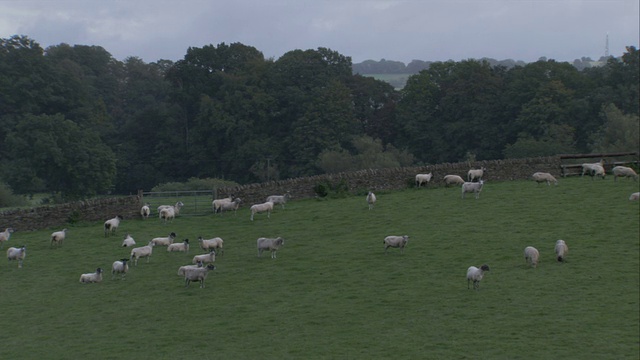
484, 267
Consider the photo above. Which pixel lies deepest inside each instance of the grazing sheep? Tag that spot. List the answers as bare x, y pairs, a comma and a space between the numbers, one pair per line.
395, 242
205, 258
474, 274
453, 179
183, 246
531, 256
279, 199
594, 169
269, 244
167, 214
128, 241
371, 199
230, 206
4, 236
58, 237
423, 178
561, 250
111, 225
264, 207
476, 174
145, 211
176, 208
212, 244
217, 203
183, 269
119, 267
474, 187
623, 171
140, 252
17, 254
544, 177
197, 274
635, 196
164, 241
95, 277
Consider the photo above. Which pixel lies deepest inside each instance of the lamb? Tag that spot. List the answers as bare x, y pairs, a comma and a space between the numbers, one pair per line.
475, 275
531, 256
128, 241
183, 269
264, 207
175, 207
111, 225
95, 277
395, 242
269, 244
279, 199
453, 179
197, 274
164, 241
539, 177
212, 244
230, 206
167, 214
205, 258
371, 199
17, 254
476, 174
183, 246
423, 178
4, 236
474, 187
143, 251
120, 267
635, 196
561, 250
58, 237
145, 211
624, 171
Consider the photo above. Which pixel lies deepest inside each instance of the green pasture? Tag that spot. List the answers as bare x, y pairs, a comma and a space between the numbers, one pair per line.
332, 293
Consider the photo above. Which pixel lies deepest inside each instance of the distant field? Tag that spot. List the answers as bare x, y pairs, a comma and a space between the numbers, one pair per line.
332, 293
396, 80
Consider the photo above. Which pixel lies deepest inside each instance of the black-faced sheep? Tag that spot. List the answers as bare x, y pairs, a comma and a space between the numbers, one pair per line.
531, 256
183, 246
94, 277
197, 274
164, 241
120, 267
111, 225
128, 241
475, 274
145, 211
561, 250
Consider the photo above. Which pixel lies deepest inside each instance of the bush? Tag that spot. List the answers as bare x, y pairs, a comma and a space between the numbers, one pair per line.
339, 190
9, 199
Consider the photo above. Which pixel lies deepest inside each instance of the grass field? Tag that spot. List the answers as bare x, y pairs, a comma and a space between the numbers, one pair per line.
332, 293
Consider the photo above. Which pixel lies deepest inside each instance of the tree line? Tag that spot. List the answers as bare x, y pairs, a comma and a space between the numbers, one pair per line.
77, 122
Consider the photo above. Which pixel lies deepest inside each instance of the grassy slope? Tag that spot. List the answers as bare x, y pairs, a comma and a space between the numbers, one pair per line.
332, 293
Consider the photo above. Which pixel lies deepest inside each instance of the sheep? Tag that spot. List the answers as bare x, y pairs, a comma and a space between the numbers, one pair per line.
475, 275
531, 256
212, 244
230, 206
111, 225
217, 203
183, 269
269, 244
476, 174
145, 211
143, 251
474, 187
119, 267
623, 171
561, 250
635, 196
453, 179
539, 177
279, 199
4, 236
94, 277
128, 241
264, 207
395, 242
17, 254
175, 207
371, 199
205, 258
58, 237
197, 274
593, 169
423, 178
183, 246
164, 241
167, 214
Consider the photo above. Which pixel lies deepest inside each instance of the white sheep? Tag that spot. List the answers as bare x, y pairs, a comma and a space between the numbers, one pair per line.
145, 211
128, 241
212, 244
178, 205
475, 274
17, 254
269, 244
183, 246
279, 199
594, 169
476, 174
183, 269
204, 258
120, 267
531, 256
395, 242
94, 277
561, 250
164, 241
230, 206
111, 225
635, 196
58, 237
167, 214
453, 179
474, 187
423, 179
140, 252
217, 203
5, 235
371, 199
540, 177
260, 208
197, 274
624, 171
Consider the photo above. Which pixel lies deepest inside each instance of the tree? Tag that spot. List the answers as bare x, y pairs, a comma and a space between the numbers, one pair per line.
620, 132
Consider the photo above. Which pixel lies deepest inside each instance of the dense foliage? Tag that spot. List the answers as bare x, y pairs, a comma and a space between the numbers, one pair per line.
76, 121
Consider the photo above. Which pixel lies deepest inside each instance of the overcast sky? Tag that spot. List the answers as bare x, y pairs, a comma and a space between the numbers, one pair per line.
402, 30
